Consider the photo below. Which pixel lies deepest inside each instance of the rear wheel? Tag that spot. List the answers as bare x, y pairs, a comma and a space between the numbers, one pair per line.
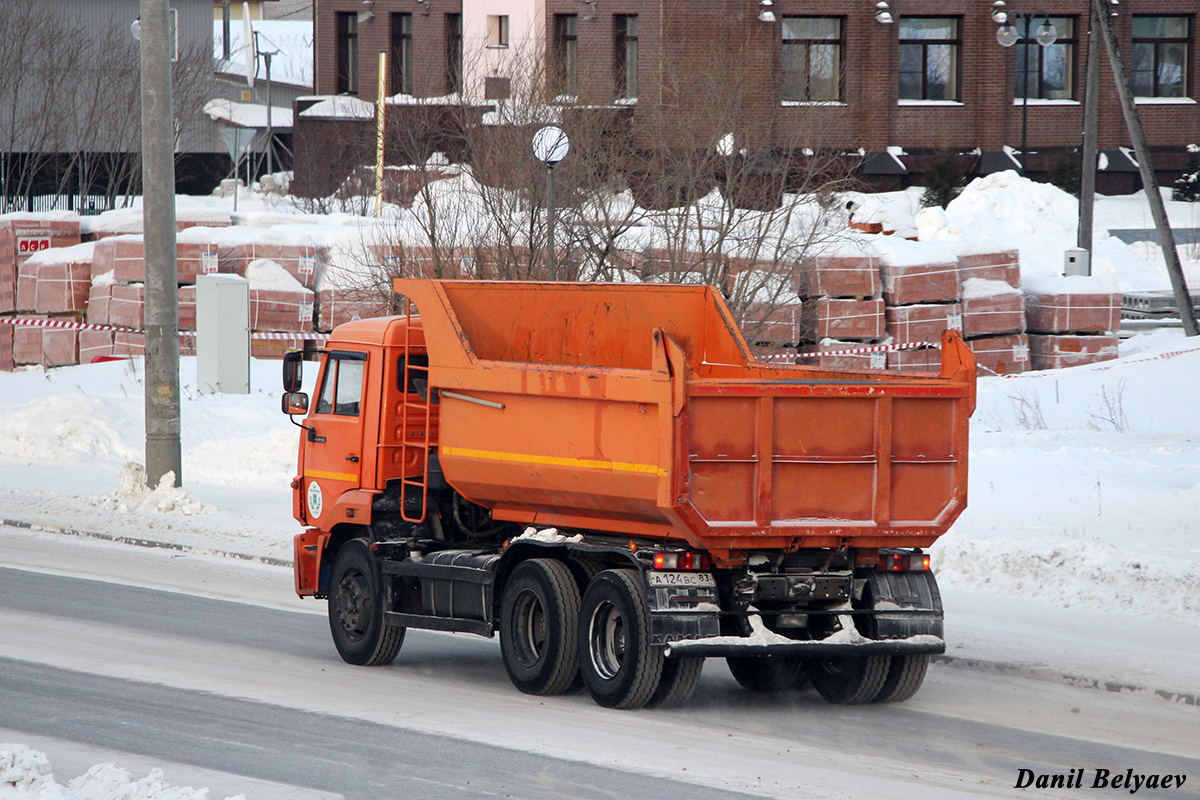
356, 606
850, 680
680, 677
620, 667
766, 673
904, 678
539, 619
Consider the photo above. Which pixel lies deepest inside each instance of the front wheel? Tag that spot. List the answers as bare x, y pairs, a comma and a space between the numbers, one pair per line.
356, 609
539, 618
620, 666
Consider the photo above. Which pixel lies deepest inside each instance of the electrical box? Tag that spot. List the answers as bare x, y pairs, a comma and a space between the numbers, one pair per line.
1077, 261
223, 334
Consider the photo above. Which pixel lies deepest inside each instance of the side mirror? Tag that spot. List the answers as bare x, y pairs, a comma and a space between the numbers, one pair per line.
295, 403
293, 371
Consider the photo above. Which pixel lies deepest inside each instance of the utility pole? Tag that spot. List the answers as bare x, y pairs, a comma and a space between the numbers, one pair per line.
158, 225
1091, 123
1166, 238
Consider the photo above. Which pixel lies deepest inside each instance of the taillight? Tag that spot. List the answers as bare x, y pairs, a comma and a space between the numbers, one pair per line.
682, 560
903, 562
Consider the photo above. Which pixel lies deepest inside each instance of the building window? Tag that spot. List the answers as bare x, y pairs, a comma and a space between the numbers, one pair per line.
1046, 73
497, 30
402, 54
566, 51
454, 54
625, 36
812, 58
1160, 56
347, 53
929, 58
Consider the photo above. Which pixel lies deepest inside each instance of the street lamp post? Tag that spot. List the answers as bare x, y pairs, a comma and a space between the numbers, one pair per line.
1007, 36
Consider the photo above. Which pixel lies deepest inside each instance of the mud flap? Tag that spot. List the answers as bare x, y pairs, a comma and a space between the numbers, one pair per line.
906, 604
680, 613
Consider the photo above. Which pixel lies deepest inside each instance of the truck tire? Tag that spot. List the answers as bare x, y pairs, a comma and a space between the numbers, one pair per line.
620, 666
356, 609
539, 621
904, 678
849, 680
680, 677
769, 674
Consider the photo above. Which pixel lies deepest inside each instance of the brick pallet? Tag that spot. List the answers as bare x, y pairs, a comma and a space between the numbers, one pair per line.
1002, 266
1097, 312
773, 324
991, 308
838, 276
300, 261
1002, 355
337, 306
836, 318
910, 284
922, 323
1056, 351
22, 235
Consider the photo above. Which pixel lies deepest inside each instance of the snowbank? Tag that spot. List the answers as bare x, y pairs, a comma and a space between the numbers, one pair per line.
26, 773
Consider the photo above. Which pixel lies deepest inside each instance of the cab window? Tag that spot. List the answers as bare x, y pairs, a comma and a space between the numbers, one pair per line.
341, 388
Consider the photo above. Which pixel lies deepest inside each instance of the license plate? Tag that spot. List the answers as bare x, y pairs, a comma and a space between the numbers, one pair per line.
698, 579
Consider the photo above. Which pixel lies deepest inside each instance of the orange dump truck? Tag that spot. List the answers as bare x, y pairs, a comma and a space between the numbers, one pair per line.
603, 475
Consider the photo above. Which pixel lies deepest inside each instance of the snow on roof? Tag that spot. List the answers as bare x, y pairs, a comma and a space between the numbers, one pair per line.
340, 107
293, 39
248, 115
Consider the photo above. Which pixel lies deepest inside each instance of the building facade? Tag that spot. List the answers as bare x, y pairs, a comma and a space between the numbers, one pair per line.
897, 84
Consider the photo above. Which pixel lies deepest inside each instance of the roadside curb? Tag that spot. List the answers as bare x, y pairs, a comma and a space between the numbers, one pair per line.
955, 662
1053, 676
149, 543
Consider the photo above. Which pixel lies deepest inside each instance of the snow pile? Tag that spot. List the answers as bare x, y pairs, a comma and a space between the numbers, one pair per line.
1004, 210
135, 495
26, 773
63, 428
225, 462
1069, 573
548, 535
267, 275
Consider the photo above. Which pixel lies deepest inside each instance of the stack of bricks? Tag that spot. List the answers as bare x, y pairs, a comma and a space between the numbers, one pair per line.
841, 309
298, 260
336, 300
278, 304
922, 301
773, 310
994, 311
1070, 328
33, 282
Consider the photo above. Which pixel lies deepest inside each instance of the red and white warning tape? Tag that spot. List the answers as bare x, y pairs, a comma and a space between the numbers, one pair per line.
83, 326
885, 348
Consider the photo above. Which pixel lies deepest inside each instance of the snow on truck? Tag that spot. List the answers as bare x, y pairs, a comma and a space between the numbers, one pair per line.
603, 475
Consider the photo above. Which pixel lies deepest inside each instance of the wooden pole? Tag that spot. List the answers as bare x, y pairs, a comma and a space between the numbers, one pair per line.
1166, 238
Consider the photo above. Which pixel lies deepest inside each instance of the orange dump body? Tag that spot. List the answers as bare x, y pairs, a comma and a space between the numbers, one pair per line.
638, 409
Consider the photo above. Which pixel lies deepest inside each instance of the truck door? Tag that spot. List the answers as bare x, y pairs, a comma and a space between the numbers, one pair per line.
333, 446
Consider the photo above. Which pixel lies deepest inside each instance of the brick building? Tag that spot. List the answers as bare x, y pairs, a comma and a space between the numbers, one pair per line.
896, 84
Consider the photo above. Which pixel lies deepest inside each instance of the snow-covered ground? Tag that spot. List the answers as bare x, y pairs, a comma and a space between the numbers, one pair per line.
1077, 558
